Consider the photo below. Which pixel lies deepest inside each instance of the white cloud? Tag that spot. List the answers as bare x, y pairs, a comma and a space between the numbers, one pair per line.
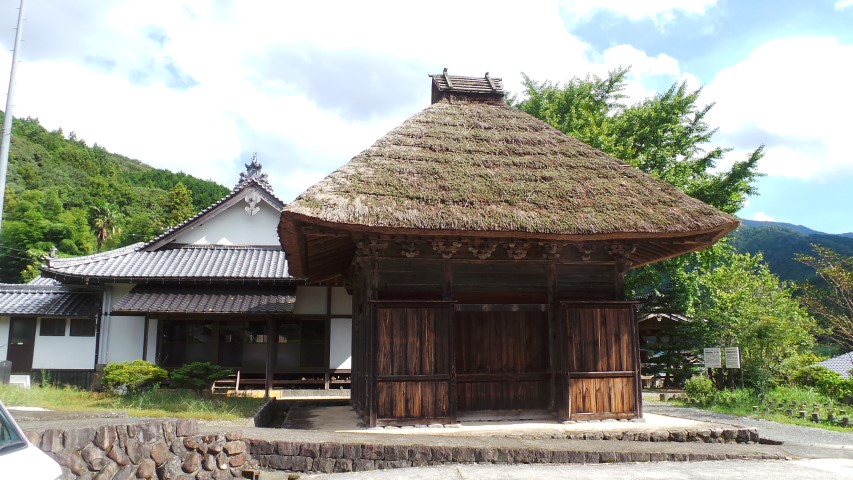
644, 68
762, 217
791, 94
660, 12
842, 4
193, 86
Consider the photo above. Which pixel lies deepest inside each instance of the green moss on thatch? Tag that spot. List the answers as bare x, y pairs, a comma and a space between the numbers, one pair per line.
483, 166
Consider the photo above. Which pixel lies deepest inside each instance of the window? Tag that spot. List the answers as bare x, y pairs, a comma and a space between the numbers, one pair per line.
82, 327
52, 327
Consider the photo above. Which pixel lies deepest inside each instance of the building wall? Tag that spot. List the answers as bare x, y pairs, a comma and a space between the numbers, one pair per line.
121, 335
151, 354
4, 337
310, 301
340, 343
63, 353
236, 227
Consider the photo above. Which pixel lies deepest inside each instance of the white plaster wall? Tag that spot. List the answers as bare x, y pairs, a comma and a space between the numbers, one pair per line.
341, 301
236, 227
63, 353
125, 339
340, 343
151, 354
4, 337
311, 301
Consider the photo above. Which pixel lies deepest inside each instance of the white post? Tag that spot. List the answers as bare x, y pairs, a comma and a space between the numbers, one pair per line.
6, 139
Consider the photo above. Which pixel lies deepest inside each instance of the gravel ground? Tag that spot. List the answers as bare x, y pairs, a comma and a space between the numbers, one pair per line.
789, 435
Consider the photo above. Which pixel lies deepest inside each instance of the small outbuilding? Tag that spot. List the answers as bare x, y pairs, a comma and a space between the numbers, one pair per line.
486, 251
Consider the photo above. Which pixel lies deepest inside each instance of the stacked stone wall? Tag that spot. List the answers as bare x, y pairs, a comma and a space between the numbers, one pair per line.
154, 449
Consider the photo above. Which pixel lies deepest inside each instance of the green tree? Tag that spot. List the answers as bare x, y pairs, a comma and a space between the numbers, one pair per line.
740, 303
832, 299
179, 205
105, 220
666, 136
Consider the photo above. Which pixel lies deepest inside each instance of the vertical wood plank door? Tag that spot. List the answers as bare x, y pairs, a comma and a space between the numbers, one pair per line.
602, 371
502, 364
412, 364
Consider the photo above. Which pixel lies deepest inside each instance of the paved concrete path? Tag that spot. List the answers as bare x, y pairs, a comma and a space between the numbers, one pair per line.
796, 440
714, 470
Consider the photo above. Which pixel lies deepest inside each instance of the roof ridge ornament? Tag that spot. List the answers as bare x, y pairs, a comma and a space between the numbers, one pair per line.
253, 173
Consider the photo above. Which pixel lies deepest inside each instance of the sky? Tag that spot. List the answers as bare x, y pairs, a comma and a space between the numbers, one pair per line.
199, 86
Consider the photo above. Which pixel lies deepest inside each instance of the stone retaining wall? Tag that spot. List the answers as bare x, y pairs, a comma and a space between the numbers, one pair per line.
330, 457
153, 449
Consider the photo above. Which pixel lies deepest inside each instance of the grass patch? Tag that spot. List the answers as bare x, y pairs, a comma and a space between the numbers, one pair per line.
774, 406
151, 403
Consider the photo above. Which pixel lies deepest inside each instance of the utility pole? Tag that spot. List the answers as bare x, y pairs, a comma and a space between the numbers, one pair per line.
6, 139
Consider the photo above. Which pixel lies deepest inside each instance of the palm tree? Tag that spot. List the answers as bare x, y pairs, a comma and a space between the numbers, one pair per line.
104, 219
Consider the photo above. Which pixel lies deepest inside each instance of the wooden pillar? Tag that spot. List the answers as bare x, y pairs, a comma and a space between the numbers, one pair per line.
372, 276
555, 342
272, 349
447, 294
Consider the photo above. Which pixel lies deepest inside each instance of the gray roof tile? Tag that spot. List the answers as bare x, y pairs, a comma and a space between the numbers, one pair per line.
841, 364
188, 262
34, 300
207, 299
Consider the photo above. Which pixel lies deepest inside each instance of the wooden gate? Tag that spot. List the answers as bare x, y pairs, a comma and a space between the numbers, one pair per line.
501, 362
601, 369
412, 363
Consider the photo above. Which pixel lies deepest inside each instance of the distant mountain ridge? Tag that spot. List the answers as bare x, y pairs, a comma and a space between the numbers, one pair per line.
780, 242
797, 228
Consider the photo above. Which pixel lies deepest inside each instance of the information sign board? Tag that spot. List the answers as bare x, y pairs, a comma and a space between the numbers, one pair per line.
712, 358
732, 357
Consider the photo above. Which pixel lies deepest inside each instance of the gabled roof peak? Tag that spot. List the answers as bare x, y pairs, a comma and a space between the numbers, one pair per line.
483, 88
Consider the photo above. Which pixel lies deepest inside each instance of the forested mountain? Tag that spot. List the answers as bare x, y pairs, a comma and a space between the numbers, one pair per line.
58, 188
781, 242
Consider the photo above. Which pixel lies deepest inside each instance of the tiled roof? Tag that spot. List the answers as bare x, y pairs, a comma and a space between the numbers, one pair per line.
44, 282
189, 262
207, 299
841, 364
47, 301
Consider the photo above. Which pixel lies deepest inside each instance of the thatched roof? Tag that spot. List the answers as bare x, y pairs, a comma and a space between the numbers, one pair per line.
470, 163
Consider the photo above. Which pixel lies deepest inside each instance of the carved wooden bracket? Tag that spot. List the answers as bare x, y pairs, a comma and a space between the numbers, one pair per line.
371, 248
483, 250
585, 250
409, 248
622, 252
446, 248
517, 250
551, 250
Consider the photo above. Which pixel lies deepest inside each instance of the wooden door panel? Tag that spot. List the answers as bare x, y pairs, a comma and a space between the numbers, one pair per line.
22, 336
412, 364
601, 368
502, 360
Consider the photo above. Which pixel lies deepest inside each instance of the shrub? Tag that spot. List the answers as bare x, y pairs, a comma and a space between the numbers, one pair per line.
737, 397
812, 375
700, 388
198, 375
135, 376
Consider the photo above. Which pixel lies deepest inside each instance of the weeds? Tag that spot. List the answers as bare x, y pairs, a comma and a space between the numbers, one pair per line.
149, 403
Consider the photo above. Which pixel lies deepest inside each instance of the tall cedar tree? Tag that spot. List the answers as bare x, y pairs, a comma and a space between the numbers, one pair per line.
179, 205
